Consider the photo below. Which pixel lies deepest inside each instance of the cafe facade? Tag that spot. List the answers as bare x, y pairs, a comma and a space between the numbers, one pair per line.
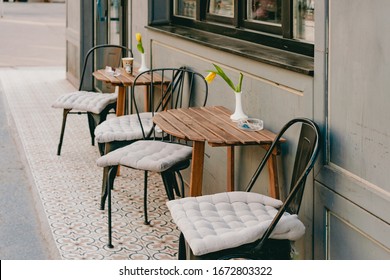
326, 60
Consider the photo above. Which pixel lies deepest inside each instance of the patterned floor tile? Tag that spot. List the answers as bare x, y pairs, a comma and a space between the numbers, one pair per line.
69, 185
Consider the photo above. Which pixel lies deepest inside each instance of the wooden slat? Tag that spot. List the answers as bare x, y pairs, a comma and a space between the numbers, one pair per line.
191, 121
109, 78
168, 128
100, 77
211, 124
181, 127
237, 136
258, 135
214, 125
125, 78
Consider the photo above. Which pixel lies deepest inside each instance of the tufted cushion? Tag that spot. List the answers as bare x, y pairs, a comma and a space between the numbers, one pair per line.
212, 223
150, 155
93, 102
124, 128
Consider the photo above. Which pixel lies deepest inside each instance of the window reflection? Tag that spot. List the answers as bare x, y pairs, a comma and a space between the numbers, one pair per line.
304, 20
185, 8
264, 10
222, 7
114, 22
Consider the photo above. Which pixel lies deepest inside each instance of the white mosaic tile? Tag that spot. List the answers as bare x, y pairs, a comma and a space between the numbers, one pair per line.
69, 185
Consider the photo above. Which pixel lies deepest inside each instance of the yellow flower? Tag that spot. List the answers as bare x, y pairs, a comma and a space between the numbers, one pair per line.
210, 77
138, 37
212, 73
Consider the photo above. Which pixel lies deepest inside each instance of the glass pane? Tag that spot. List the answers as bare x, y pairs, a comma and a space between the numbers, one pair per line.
264, 10
304, 20
114, 37
222, 8
185, 8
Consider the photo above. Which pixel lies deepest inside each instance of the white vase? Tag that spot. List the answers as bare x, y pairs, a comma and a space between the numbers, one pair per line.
238, 112
143, 66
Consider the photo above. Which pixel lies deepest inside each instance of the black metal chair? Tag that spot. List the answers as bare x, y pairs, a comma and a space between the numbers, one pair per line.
246, 224
95, 104
118, 132
157, 152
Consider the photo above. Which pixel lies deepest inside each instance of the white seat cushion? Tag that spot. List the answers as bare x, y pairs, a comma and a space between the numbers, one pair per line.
212, 223
88, 101
147, 155
125, 128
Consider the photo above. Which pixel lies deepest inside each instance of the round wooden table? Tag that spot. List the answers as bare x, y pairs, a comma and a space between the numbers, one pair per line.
214, 126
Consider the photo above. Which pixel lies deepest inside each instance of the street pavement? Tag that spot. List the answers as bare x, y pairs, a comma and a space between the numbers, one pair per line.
32, 34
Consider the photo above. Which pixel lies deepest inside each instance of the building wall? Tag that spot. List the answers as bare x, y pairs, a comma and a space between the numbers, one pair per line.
352, 191
339, 98
346, 202
265, 89
272, 94
79, 39
73, 34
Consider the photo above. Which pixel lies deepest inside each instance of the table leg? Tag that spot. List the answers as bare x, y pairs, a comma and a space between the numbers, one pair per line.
197, 168
120, 103
230, 169
273, 176
120, 108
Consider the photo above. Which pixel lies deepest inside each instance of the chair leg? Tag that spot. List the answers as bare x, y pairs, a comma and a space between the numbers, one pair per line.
182, 248
170, 183
92, 124
64, 117
94, 120
182, 192
101, 148
104, 148
110, 182
104, 188
147, 222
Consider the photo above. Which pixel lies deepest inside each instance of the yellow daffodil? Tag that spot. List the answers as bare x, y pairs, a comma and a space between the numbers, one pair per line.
211, 76
138, 37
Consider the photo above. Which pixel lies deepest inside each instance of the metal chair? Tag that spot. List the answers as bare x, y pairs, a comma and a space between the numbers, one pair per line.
118, 132
95, 104
157, 152
247, 224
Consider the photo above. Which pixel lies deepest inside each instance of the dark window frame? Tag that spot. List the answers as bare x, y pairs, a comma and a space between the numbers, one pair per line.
280, 37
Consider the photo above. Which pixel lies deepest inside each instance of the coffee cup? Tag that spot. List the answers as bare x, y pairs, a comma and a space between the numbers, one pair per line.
127, 63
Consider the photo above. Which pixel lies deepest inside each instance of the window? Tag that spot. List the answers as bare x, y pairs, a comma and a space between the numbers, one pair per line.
284, 24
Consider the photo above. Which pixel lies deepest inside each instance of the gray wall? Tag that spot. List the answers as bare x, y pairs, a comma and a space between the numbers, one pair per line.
346, 204
79, 39
352, 192
270, 93
73, 26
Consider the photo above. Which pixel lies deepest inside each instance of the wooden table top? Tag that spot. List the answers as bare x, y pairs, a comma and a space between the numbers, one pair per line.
211, 124
125, 79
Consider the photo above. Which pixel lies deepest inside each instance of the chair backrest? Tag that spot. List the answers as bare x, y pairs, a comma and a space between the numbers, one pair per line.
306, 155
172, 88
101, 56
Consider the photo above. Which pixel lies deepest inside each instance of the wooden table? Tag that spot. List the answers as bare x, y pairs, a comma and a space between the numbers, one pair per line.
126, 80
213, 125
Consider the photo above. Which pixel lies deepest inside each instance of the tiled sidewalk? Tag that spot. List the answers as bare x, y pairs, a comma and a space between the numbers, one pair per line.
69, 185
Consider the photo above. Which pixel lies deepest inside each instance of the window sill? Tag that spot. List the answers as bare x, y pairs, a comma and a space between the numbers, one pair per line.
272, 56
